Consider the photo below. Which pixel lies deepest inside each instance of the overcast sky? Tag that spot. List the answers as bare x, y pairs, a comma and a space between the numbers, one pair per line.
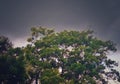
103, 16
18, 16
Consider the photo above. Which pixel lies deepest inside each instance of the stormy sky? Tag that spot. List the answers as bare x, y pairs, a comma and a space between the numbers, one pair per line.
103, 16
18, 16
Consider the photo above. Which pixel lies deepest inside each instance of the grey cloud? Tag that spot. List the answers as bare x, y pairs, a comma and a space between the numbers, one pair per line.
103, 16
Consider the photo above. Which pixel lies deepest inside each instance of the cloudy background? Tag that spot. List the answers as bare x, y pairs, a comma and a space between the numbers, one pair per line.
102, 16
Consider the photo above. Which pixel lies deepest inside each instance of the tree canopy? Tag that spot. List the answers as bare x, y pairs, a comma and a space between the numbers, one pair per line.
66, 57
12, 67
81, 57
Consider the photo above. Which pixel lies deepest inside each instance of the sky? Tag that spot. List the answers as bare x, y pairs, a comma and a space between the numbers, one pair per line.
18, 16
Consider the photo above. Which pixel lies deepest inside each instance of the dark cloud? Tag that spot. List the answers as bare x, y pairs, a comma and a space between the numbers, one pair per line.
103, 16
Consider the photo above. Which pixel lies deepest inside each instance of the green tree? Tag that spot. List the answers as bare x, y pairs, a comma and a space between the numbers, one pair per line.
79, 57
12, 69
5, 44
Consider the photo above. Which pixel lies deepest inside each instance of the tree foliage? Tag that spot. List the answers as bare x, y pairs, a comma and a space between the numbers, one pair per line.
66, 57
81, 56
12, 69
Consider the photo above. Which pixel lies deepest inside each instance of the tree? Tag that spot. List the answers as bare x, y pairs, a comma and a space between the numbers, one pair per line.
5, 44
12, 68
79, 57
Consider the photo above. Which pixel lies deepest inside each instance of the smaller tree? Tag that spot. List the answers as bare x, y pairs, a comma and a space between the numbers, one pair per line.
5, 44
12, 68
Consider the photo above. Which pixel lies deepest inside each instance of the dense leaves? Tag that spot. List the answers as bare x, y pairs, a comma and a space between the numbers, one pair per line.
5, 44
12, 66
67, 57
81, 57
